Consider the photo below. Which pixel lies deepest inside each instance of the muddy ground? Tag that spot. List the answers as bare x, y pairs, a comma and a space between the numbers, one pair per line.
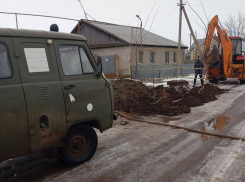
134, 97
152, 153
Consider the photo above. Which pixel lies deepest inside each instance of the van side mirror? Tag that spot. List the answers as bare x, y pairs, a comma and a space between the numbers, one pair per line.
99, 65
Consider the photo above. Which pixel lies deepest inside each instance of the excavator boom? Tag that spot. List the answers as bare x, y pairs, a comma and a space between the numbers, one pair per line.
223, 68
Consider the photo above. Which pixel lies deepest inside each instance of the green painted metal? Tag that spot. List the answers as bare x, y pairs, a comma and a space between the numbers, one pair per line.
36, 108
14, 130
89, 89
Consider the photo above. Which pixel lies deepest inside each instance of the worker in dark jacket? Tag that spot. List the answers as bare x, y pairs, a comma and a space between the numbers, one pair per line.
198, 70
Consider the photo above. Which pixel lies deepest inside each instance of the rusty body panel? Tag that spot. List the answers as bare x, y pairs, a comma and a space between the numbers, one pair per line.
49, 137
43, 92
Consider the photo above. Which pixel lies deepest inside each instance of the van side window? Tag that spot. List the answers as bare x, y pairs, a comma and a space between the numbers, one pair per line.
74, 60
36, 59
87, 67
5, 68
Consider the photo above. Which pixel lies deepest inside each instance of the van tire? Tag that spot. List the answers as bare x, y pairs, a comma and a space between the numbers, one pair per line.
79, 145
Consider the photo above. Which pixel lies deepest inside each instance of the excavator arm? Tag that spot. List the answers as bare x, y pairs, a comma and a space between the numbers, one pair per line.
225, 42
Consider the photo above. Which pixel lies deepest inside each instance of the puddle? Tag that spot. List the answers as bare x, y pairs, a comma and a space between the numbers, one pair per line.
214, 124
168, 119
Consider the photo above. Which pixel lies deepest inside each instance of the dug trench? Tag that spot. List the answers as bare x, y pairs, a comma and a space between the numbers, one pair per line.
176, 99
134, 98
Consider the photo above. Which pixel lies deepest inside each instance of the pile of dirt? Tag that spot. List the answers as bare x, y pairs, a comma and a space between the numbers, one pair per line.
135, 98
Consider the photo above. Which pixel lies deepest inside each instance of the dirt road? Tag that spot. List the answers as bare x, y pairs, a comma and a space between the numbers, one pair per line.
143, 152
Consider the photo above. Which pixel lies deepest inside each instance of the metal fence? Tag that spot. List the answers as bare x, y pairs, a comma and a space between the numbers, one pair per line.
147, 72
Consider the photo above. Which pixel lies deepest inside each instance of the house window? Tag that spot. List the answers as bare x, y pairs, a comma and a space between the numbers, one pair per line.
152, 57
141, 57
166, 57
174, 57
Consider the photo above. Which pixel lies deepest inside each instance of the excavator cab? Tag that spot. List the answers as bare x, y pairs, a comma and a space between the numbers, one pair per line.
238, 45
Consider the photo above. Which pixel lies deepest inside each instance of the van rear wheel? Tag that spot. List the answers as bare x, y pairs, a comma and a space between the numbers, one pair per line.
79, 146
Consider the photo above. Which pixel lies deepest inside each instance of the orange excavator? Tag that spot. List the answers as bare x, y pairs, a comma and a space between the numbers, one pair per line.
227, 61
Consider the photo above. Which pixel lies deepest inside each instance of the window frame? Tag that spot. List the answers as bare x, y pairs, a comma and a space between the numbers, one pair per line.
166, 57
141, 57
174, 57
86, 52
152, 57
89, 59
10, 62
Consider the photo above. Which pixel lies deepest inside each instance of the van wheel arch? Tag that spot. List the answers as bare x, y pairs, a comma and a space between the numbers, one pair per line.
79, 145
93, 123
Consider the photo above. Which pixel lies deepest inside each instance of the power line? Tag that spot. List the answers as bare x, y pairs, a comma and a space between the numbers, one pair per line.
228, 9
145, 24
40, 11
222, 5
151, 24
149, 15
83, 9
223, 2
90, 16
204, 10
201, 27
197, 14
166, 18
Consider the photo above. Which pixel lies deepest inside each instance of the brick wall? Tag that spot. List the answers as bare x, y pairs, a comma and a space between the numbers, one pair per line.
124, 56
160, 55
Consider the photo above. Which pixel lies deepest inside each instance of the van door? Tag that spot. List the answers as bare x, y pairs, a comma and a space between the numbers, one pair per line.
87, 97
14, 132
43, 92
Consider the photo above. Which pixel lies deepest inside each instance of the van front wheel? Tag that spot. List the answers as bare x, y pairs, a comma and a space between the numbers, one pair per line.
79, 146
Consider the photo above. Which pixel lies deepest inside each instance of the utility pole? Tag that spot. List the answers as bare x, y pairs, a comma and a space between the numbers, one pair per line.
192, 32
136, 66
179, 42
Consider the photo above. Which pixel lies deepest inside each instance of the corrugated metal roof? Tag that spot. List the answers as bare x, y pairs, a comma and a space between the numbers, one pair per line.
125, 32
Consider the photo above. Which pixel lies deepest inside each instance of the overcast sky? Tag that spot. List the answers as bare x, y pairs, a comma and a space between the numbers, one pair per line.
122, 12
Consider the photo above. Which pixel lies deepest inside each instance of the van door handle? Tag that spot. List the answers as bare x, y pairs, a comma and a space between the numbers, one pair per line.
69, 87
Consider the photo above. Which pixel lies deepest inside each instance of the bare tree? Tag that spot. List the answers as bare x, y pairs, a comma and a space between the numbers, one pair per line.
235, 26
